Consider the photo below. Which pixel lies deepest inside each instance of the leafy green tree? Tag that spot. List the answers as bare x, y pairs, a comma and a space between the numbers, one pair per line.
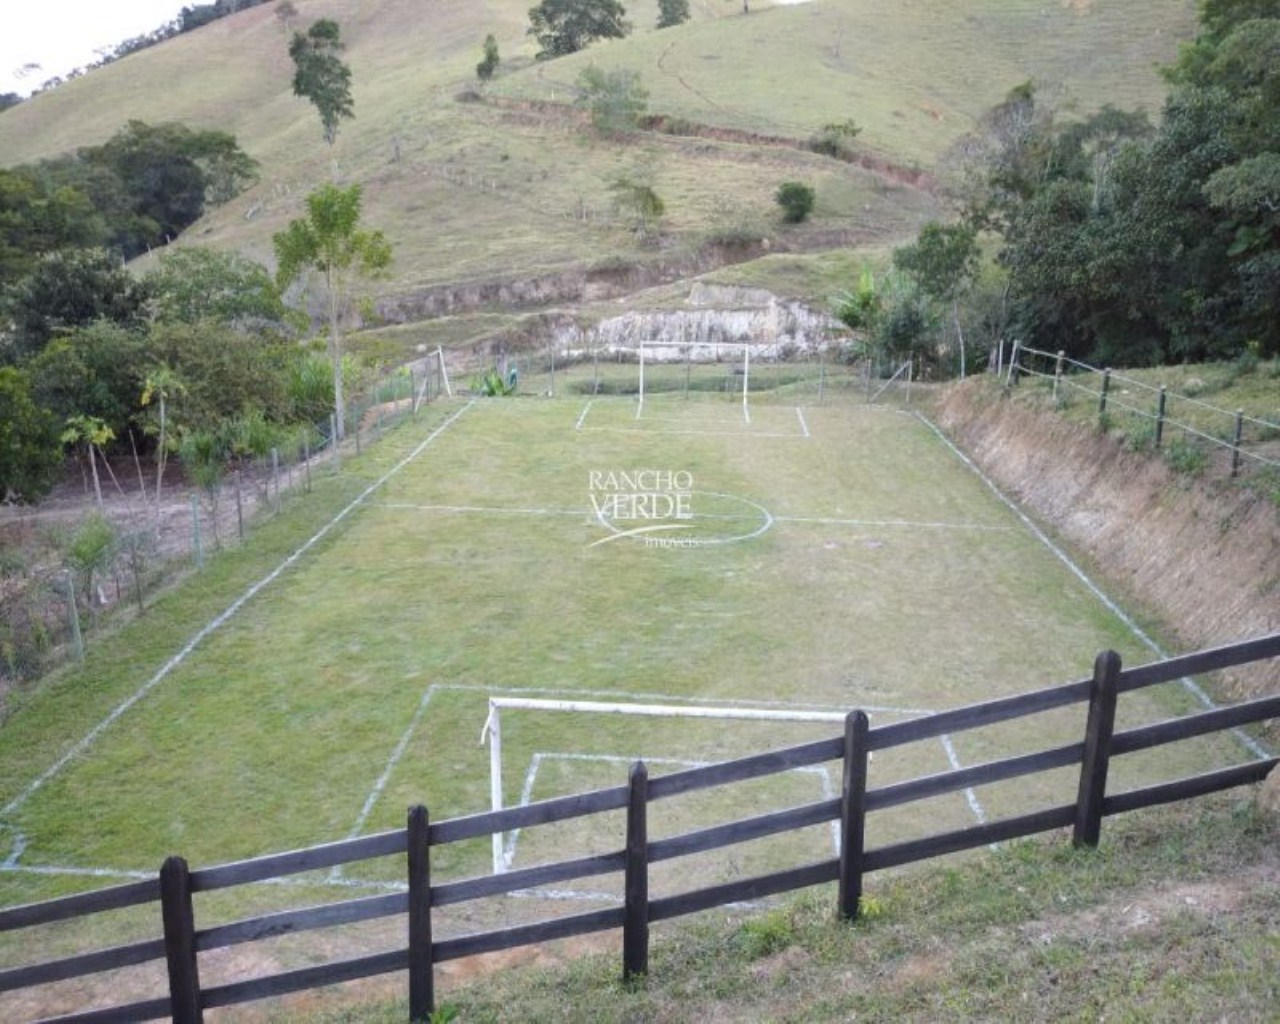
320, 75
943, 261
168, 173
222, 371
567, 26
330, 242
615, 99
860, 309
94, 435
672, 12
30, 449
70, 288
489, 63
204, 455
91, 552
95, 371
796, 200
192, 284
162, 384
640, 201
38, 216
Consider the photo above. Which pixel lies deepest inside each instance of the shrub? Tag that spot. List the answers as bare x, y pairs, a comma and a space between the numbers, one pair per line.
489, 64
835, 140
1185, 457
615, 99
796, 200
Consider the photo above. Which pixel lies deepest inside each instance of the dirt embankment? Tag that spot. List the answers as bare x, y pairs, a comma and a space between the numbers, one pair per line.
1201, 555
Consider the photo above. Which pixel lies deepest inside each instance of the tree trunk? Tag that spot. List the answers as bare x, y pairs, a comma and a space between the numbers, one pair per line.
160, 453
97, 486
335, 355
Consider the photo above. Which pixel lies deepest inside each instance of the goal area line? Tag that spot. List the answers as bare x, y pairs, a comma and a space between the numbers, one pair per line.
503, 845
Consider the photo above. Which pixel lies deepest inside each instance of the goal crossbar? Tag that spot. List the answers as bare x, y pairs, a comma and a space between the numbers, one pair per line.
492, 732
688, 348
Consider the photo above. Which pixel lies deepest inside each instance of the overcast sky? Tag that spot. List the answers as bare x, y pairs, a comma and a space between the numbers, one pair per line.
63, 34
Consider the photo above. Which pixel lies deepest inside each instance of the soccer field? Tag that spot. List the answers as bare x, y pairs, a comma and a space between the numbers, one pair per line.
680, 552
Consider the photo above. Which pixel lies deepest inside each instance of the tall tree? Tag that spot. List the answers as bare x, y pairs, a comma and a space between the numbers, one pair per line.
320, 75
943, 260
567, 26
329, 242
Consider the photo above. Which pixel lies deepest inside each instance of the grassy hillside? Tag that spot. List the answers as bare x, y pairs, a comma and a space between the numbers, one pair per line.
502, 188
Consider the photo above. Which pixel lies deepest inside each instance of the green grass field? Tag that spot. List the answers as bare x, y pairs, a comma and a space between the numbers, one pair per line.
845, 557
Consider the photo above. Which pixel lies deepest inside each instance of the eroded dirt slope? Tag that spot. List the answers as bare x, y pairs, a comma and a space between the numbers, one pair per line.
1200, 555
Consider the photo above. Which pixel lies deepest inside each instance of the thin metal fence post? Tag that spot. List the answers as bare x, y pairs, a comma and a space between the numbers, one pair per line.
1235, 442
195, 531
275, 475
422, 999
1012, 378
73, 617
635, 924
853, 810
180, 942
1097, 750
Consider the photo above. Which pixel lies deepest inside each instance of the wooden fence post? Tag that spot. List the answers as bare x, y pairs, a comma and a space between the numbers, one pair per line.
1057, 373
1097, 750
853, 811
635, 922
422, 997
1106, 387
1160, 406
180, 942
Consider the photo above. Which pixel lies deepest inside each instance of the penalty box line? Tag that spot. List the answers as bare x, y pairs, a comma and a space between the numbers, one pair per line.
218, 621
398, 751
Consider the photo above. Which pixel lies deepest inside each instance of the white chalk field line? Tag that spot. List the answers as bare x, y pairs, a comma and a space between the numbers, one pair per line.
87, 740
1190, 685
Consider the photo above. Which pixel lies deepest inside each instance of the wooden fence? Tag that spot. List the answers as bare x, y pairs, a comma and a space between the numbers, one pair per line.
183, 941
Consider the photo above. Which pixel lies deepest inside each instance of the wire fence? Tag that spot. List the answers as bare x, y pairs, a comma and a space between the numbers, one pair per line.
1194, 434
708, 371
71, 559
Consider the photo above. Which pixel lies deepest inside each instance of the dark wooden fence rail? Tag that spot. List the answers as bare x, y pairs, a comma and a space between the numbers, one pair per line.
175, 885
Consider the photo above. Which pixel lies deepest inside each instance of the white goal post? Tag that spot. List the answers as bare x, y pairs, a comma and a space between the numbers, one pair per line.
492, 731
699, 352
